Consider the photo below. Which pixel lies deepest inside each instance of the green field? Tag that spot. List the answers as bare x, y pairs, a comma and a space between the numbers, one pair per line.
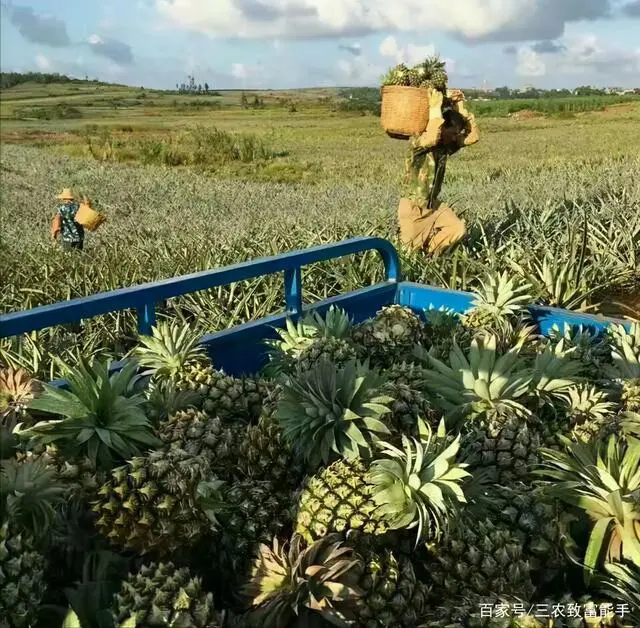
194, 182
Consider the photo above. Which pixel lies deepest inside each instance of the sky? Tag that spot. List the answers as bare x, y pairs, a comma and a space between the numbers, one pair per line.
305, 43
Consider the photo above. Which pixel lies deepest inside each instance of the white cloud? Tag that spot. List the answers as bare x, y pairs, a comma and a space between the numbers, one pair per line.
239, 71
95, 40
515, 20
409, 54
587, 55
530, 63
43, 62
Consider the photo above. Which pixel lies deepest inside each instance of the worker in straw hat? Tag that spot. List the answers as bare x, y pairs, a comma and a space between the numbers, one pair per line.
425, 222
64, 226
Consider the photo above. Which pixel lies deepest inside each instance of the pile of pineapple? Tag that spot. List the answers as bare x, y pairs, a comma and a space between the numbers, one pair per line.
409, 471
429, 73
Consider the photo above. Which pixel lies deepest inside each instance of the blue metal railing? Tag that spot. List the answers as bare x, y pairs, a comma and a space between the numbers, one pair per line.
143, 298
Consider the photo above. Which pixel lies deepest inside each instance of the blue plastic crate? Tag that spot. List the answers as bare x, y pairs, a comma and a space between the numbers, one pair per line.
240, 349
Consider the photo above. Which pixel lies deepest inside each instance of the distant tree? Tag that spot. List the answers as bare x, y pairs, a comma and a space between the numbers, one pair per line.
206, 88
244, 101
199, 88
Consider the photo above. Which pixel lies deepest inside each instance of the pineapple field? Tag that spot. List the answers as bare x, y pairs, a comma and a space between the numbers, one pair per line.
419, 469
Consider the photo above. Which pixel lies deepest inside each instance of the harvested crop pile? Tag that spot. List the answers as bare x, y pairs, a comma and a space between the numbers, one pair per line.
417, 469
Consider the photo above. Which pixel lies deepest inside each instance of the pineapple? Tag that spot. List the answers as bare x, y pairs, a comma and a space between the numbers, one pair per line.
390, 336
163, 595
591, 348
626, 368
407, 388
152, 504
417, 487
337, 350
174, 354
292, 583
590, 413
265, 454
443, 328
399, 75
17, 389
537, 522
338, 498
392, 595
104, 419
285, 352
482, 558
432, 73
251, 513
497, 307
199, 434
327, 411
601, 480
22, 579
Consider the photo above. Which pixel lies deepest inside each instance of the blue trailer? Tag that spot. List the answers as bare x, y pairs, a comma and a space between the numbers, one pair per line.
240, 349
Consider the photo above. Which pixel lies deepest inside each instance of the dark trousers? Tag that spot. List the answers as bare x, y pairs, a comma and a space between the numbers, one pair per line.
69, 244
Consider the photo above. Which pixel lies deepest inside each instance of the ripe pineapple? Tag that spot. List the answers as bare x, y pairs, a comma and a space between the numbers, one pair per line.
212, 438
337, 350
390, 336
163, 595
399, 75
327, 411
443, 327
22, 582
338, 498
152, 503
482, 558
392, 595
174, 353
432, 72
292, 584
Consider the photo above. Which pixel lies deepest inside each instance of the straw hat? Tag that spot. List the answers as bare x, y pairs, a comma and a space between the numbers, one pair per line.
66, 195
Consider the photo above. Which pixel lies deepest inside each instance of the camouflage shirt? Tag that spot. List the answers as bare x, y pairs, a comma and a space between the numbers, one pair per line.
70, 230
424, 175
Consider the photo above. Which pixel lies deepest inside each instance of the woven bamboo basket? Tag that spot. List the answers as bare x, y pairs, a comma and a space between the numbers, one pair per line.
88, 217
404, 111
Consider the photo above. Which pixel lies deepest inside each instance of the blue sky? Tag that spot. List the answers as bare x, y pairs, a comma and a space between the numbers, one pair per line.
297, 43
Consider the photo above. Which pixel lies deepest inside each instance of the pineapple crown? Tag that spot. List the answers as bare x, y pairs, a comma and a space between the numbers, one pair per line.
29, 494
103, 418
555, 373
483, 381
17, 388
169, 348
287, 581
329, 410
626, 360
418, 485
601, 480
500, 296
587, 402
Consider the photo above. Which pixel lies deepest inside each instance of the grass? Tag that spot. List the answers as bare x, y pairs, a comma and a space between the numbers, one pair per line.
201, 187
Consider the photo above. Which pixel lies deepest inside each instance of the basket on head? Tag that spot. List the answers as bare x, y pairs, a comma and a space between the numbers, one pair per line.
88, 217
404, 111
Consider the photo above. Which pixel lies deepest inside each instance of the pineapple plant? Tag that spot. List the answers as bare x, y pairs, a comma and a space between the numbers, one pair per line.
212, 438
389, 337
590, 413
291, 583
161, 594
173, 353
593, 349
625, 371
157, 503
327, 411
622, 583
